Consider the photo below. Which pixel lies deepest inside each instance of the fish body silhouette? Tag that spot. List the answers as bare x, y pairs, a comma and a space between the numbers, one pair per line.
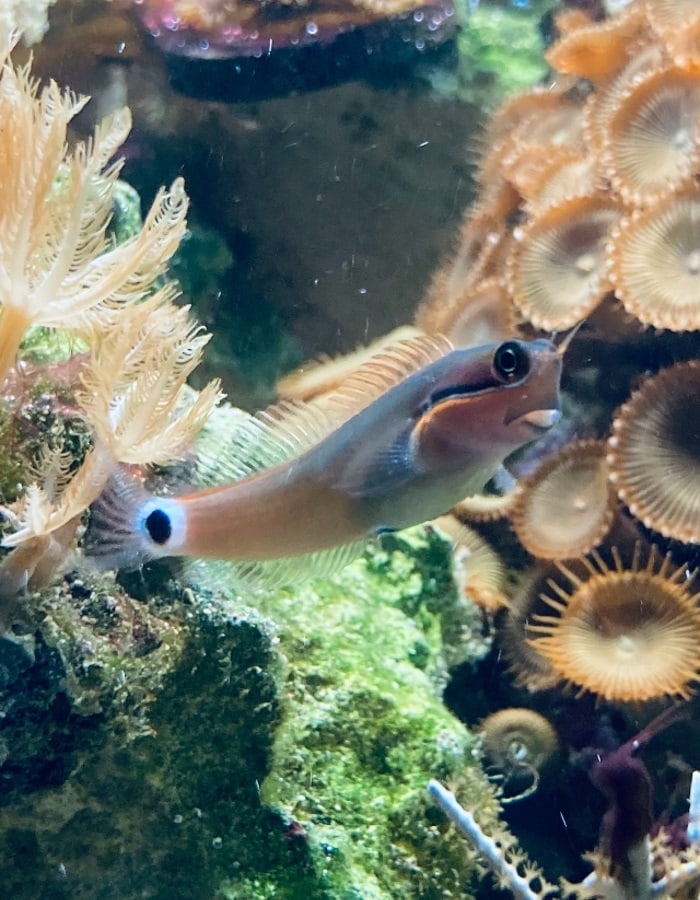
400, 449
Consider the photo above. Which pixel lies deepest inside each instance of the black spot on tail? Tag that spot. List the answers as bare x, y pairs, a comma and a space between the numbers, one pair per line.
158, 526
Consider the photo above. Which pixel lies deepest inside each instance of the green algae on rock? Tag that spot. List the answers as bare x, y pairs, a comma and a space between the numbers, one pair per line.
364, 723
201, 748
500, 53
167, 721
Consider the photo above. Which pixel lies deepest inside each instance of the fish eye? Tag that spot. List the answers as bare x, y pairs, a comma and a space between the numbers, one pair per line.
511, 361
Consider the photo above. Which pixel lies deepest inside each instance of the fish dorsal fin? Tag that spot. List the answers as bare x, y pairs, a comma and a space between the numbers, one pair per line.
288, 428
296, 425
327, 373
255, 442
382, 372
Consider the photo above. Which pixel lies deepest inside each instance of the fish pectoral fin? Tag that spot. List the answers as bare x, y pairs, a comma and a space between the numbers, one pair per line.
378, 472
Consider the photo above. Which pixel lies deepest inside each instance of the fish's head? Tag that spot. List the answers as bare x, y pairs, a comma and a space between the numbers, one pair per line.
487, 402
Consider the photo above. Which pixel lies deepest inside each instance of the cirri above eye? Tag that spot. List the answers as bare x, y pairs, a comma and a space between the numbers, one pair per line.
511, 361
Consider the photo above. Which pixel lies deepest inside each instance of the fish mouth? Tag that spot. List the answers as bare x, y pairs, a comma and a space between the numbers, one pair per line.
540, 420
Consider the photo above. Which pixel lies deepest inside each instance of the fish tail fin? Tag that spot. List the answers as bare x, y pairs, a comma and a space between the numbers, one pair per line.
128, 526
